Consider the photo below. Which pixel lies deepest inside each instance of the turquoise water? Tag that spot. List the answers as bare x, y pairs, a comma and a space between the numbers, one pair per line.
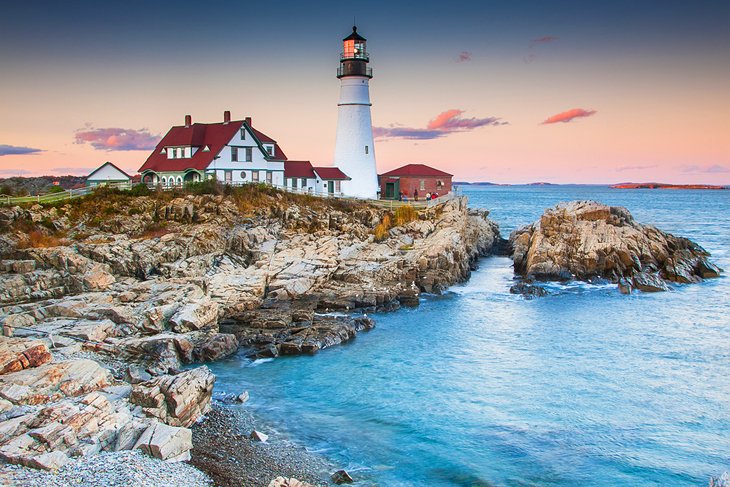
480, 387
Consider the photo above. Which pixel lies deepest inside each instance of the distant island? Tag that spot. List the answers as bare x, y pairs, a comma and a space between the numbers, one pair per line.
665, 186
541, 183
478, 183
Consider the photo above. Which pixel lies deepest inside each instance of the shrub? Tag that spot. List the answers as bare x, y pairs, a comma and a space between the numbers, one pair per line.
209, 186
37, 239
48, 223
156, 229
381, 230
55, 189
139, 190
405, 214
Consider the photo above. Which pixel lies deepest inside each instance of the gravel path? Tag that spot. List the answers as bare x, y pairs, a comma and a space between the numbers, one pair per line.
118, 469
222, 449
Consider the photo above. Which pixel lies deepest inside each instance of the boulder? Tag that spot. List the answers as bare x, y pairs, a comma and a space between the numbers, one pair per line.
98, 278
54, 381
341, 477
649, 283
46, 437
165, 442
176, 400
195, 316
259, 436
243, 397
49, 461
215, 347
18, 354
587, 240
624, 286
15, 321
529, 291
288, 482
157, 353
136, 374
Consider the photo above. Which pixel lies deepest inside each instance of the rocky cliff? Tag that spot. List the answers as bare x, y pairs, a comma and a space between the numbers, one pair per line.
586, 240
104, 300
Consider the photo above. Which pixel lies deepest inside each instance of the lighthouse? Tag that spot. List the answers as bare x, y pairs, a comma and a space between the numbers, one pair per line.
354, 151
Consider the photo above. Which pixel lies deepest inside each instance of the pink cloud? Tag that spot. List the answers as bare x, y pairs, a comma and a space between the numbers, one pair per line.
569, 115
444, 124
542, 40
117, 139
450, 120
464, 56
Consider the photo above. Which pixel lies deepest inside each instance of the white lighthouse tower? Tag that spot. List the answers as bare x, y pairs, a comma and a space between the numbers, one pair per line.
354, 151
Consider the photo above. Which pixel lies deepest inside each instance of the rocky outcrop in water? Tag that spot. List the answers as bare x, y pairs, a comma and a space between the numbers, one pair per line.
587, 240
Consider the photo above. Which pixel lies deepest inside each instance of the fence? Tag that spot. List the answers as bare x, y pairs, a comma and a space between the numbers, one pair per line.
59, 196
75, 193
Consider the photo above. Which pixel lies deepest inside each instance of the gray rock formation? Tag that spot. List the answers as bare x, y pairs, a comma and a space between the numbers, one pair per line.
586, 240
97, 327
176, 400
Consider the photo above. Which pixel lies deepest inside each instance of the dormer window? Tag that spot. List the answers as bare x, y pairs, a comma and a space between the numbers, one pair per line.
177, 152
269, 149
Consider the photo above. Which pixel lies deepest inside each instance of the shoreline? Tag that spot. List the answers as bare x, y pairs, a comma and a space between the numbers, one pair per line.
223, 450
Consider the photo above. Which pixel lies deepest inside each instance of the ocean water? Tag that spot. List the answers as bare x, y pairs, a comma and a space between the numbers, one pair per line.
478, 387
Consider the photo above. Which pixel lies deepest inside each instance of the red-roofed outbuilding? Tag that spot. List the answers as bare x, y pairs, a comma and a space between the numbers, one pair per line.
414, 181
302, 176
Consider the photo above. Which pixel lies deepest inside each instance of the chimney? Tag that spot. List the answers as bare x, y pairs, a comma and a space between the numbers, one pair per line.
188, 121
248, 121
226, 116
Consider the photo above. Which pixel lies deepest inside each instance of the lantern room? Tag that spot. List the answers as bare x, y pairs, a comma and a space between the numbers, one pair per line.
353, 46
354, 56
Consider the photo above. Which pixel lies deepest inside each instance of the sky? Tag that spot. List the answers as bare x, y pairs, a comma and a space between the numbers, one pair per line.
507, 92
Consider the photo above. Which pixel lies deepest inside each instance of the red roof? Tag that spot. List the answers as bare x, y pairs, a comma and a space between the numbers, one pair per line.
330, 173
298, 169
417, 170
213, 135
278, 154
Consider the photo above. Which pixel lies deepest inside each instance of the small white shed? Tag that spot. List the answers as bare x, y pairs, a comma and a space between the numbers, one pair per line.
105, 174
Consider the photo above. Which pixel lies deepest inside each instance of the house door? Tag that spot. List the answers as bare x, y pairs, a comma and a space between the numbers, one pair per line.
392, 190
331, 187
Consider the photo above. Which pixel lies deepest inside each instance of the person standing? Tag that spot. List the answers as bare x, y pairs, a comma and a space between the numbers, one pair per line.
428, 196
415, 195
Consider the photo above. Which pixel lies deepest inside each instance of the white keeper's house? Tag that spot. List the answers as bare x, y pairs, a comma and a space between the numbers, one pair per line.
233, 152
